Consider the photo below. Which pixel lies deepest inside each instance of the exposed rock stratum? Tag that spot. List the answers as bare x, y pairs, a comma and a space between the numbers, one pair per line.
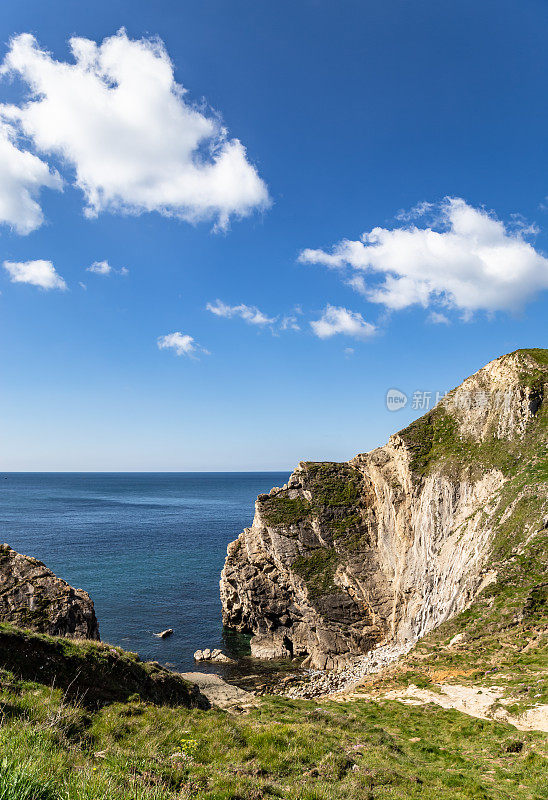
383, 548
31, 596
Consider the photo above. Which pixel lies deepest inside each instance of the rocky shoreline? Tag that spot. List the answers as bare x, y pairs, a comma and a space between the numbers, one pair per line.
291, 679
309, 683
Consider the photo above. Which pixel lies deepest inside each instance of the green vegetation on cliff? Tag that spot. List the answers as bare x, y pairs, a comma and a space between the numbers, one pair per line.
332, 484
92, 672
284, 511
335, 489
434, 440
318, 569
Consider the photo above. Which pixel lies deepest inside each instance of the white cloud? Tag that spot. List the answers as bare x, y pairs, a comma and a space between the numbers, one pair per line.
438, 319
473, 263
250, 314
38, 273
357, 282
22, 176
419, 210
182, 343
289, 323
104, 268
336, 320
100, 268
117, 116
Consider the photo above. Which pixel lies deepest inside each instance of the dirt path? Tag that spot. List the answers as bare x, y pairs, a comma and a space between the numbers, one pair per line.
484, 702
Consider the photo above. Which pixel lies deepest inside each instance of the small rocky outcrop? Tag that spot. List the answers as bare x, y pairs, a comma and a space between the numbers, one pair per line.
379, 550
93, 673
215, 655
32, 597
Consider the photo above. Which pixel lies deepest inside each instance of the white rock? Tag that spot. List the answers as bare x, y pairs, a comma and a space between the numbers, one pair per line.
222, 659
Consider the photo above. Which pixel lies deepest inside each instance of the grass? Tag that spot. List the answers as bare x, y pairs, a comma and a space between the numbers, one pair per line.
297, 750
286, 511
332, 484
19, 782
538, 354
318, 569
95, 672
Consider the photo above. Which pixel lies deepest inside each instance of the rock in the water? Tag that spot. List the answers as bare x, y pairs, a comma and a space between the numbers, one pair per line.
164, 634
212, 655
221, 658
31, 596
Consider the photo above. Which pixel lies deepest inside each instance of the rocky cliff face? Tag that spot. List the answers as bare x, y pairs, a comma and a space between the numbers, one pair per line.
31, 596
384, 548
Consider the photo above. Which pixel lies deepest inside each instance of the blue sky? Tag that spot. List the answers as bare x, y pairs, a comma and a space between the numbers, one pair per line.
353, 117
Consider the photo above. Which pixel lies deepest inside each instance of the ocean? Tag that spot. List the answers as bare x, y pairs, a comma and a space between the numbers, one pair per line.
148, 547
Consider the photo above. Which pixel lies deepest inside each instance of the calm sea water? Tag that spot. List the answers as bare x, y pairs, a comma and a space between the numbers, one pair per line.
148, 547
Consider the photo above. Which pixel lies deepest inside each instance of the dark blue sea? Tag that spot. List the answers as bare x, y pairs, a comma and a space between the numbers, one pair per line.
148, 547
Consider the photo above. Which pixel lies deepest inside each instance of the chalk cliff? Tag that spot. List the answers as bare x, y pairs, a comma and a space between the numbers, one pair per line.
384, 548
31, 596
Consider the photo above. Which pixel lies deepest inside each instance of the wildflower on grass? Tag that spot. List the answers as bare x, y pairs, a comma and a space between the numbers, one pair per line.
188, 747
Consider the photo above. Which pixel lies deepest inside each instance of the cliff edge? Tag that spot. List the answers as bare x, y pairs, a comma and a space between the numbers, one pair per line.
32, 597
384, 548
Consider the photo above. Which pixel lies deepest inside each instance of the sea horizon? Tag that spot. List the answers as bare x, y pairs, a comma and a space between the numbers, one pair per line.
147, 546
141, 471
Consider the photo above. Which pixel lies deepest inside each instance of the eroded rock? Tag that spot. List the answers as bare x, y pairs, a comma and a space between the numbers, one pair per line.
215, 655
371, 554
31, 596
220, 693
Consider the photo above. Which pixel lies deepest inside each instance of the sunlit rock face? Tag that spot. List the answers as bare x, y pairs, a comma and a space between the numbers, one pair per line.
383, 548
31, 596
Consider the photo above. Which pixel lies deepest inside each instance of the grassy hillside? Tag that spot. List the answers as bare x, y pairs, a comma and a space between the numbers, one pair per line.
52, 749
90, 672
504, 633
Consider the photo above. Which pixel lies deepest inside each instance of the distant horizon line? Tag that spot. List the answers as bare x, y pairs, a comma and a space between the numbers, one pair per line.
139, 471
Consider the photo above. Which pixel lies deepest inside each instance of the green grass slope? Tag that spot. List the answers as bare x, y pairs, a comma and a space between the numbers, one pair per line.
91, 672
52, 749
